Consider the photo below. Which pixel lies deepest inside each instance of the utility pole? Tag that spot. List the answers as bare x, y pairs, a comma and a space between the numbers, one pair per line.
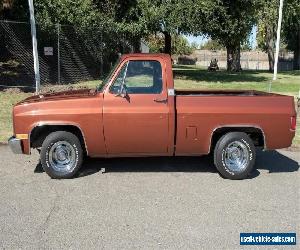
278, 40
58, 53
34, 47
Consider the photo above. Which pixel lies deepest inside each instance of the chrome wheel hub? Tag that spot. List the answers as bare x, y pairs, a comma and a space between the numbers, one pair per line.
236, 156
62, 156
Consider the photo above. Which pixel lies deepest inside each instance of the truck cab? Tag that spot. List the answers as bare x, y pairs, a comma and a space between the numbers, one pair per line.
140, 96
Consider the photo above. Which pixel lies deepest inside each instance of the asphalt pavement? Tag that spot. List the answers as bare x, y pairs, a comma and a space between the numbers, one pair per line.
145, 203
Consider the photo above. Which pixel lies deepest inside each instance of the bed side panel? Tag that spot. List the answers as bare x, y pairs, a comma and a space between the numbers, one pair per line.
199, 116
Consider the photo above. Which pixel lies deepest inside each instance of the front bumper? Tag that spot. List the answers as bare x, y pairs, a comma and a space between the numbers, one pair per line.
15, 145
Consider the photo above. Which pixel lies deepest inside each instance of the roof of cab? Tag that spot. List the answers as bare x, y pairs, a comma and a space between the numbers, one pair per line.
148, 55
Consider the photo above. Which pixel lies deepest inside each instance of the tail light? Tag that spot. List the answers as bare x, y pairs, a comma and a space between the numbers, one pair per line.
293, 123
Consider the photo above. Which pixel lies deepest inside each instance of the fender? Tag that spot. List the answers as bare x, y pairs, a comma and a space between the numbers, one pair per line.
55, 123
238, 126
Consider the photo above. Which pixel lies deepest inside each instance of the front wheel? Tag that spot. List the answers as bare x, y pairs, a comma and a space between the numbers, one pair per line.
61, 155
234, 155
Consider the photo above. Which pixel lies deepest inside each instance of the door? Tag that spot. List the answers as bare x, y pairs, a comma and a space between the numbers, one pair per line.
136, 123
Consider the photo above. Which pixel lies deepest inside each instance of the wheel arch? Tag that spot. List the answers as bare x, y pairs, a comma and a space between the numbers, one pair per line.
40, 131
255, 133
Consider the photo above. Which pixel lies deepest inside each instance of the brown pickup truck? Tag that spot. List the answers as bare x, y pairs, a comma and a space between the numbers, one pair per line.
137, 112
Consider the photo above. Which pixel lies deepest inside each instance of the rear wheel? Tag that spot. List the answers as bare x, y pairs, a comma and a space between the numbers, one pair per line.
234, 155
61, 155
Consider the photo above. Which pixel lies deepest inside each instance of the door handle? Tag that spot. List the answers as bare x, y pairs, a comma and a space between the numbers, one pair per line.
161, 100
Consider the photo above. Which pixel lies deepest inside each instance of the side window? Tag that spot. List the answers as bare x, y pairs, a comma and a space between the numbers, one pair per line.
140, 77
118, 81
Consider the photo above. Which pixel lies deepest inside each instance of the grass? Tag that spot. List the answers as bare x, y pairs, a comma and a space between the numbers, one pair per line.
186, 77
191, 77
7, 100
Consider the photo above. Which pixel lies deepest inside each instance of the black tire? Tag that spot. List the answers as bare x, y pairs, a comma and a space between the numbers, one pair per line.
221, 155
73, 143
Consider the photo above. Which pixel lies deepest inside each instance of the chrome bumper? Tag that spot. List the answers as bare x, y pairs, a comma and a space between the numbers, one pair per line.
15, 145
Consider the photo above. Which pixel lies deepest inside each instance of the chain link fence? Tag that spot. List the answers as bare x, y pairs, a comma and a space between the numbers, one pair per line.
66, 53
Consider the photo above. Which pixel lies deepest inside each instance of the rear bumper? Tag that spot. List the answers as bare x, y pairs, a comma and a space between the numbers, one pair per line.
15, 145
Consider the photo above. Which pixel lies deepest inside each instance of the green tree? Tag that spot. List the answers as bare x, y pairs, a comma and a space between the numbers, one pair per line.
267, 26
14, 10
159, 17
229, 22
79, 13
180, 45
125, 18
212, 45
169, 17
291, 29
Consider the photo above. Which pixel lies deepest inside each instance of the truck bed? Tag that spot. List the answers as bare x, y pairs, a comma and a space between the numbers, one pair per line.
201, 112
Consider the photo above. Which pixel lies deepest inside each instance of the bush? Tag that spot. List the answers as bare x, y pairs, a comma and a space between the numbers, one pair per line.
187, 60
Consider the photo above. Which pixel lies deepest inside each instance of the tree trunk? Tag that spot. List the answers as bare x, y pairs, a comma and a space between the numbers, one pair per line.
271, 59
296, 62
168, 43
137, 45
270, 46
234, 58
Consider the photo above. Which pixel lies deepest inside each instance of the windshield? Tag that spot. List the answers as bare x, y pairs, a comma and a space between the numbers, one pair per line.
109, 76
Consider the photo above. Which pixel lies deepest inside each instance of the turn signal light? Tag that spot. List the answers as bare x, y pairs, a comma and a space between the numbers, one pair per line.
22, 136
293, 123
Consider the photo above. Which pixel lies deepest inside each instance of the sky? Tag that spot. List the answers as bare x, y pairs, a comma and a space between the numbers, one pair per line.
202, 39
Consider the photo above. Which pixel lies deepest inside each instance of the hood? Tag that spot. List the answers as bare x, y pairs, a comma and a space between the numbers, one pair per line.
70, 94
